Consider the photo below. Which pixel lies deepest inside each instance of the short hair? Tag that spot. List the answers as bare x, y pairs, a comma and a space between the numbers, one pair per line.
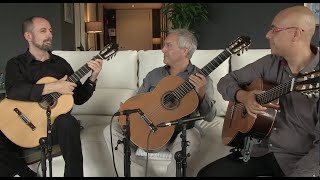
186, 39
27, 24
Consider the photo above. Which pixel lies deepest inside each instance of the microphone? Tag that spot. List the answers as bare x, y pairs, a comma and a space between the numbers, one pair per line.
180, 121
148, 121
126, 112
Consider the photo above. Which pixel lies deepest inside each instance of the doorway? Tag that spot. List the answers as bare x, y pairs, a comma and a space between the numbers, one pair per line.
134, 26
134, 29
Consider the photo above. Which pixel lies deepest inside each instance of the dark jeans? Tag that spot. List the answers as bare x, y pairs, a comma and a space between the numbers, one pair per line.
65, 132
232, 166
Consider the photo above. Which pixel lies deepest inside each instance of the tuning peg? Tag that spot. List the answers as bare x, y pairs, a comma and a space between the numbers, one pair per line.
309, 95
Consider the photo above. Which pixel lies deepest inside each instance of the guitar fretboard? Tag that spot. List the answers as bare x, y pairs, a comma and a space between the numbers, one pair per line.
274, 92
186, 87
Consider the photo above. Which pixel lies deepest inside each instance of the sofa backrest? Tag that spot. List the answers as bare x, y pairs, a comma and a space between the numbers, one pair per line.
117, 80
123, 74
248, 57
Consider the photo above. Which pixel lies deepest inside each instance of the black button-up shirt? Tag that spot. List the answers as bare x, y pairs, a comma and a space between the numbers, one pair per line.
23, 72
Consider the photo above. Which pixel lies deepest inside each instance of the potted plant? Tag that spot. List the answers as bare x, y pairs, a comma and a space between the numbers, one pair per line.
182, 15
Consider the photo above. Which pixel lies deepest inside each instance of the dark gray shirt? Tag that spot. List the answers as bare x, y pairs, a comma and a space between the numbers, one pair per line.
206, 107
294, 139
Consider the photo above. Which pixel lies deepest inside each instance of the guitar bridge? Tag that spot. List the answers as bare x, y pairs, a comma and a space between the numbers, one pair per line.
24, 119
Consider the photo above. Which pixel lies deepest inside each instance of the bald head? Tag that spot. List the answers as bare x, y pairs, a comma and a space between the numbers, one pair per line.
298, 16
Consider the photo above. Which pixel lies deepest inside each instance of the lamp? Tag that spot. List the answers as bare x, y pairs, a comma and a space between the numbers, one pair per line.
156, 42
94, 27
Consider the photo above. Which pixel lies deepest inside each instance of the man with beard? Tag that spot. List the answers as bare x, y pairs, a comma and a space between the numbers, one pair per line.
22, 74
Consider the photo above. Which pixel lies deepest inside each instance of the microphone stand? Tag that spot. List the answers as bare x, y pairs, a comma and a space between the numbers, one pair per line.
49, 143
181, 156
126, 147
46, 142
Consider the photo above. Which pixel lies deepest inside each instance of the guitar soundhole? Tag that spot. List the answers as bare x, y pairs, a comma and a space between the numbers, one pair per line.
169, 101
47, 100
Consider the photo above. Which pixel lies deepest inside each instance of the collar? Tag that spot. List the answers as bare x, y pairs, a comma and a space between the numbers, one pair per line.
312, 65
30, 58
189, 68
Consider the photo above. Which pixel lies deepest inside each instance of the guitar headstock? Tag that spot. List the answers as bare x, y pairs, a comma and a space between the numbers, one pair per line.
308, 84
239, 45
109, 51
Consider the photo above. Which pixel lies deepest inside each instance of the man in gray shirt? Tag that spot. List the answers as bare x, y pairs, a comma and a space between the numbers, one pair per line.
292, 146
178, 49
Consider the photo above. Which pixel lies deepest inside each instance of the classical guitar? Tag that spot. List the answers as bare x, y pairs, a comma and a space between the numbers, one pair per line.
238, 123
172, 99
25, 122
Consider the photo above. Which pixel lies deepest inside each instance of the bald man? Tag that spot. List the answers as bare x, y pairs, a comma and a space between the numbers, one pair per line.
292, 146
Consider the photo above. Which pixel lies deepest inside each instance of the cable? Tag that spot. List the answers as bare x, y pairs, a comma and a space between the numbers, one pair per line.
146, 171
114, 164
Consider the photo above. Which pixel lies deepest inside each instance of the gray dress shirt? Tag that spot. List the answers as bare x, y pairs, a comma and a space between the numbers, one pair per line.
206, 107
294, 139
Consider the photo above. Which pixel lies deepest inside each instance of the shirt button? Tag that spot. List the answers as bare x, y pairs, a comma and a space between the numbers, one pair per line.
279, 111
275, 129
270, 145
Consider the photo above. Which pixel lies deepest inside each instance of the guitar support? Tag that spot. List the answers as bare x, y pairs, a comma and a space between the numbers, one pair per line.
248, 143
46, 143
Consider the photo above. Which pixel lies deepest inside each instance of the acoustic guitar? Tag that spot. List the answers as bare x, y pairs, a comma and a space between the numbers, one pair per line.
25, 122
238, 123
172, 99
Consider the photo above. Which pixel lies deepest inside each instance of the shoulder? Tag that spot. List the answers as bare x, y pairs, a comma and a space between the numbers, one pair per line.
17, 59
157, 71
59, 59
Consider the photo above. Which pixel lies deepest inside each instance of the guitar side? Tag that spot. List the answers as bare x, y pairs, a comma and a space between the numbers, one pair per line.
18, 131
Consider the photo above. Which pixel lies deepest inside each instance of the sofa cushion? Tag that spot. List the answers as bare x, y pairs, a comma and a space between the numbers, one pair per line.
148, 60
118, 72
104, 101
247, 57
201, 58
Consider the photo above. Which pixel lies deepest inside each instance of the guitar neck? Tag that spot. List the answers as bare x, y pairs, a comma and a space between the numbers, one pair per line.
85, 69
275, 92
186, 87
75, 77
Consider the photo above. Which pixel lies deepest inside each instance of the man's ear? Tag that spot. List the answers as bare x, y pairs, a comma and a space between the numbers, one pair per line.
27, 36
297, 34
185, 51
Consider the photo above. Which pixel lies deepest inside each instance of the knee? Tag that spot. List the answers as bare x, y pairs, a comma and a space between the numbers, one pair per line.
67, 121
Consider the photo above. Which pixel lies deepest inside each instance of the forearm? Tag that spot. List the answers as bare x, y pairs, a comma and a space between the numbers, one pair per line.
207, 109
25, 91
49, 88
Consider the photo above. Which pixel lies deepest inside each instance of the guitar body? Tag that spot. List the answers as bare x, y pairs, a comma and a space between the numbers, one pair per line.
155, 106
19, 132
238, 123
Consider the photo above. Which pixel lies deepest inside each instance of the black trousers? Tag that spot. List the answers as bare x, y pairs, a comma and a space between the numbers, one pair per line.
232, 166
65, 132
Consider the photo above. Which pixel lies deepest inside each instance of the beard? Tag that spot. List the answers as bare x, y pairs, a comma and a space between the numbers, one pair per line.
45, 46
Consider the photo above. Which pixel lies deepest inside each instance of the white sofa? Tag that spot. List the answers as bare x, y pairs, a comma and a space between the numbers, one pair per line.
118, 81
